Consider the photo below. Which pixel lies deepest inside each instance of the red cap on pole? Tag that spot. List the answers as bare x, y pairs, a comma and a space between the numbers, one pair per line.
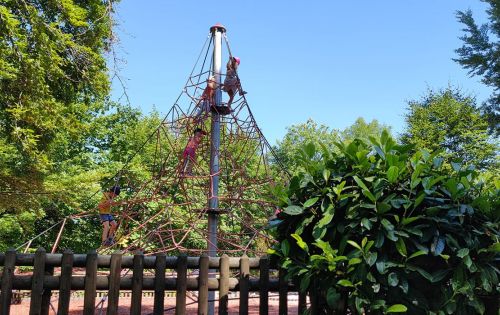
218, 27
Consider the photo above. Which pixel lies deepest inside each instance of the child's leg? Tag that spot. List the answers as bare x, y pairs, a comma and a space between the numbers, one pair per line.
105, 230
185, 165
189, 165
241, 92
231, 97
112, 230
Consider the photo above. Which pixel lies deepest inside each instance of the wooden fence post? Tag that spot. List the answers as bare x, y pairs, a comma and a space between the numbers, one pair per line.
90, 283
264, 286
203, 286
283, 293
65, 283
223, 284
115, 270
302, 302
159, 283
47, 293
37, 282
137, 277
180, 306
7, 278
244, 284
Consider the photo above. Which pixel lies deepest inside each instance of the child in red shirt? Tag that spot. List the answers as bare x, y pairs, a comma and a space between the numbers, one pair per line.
189, 154
207, 100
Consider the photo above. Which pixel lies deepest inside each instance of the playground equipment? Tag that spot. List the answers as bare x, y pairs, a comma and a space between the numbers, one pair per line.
221, 205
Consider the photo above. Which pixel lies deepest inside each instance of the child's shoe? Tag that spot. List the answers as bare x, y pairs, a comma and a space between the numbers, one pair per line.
242, 93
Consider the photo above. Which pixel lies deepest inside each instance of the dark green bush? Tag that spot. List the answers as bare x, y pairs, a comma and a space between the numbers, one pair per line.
377, 230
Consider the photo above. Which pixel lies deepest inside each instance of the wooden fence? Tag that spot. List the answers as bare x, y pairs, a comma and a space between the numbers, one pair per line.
42, 281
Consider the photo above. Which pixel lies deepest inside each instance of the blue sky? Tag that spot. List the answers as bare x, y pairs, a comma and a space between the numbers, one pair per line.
332, 61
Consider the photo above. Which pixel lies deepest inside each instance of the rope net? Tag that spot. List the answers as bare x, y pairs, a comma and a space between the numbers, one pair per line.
167, 212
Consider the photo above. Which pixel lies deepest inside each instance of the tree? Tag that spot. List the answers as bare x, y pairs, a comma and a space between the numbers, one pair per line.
364, 230
308, 132
448, 120
363, 130
480, 54
53, 77
114, 141
53, 83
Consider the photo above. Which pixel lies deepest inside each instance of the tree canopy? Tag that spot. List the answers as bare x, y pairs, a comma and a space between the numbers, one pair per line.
53, 74
480, 54
364, 130
288, 149
448, 120
53, 84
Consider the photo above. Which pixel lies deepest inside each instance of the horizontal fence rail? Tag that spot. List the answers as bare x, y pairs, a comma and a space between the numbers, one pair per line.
136, 273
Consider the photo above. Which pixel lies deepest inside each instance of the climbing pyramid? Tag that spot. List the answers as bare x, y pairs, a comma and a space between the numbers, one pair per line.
220, 199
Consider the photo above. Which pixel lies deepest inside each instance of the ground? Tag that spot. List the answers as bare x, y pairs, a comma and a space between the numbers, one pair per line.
76, 306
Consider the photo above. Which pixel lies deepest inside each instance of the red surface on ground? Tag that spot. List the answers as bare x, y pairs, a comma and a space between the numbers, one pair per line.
76, 306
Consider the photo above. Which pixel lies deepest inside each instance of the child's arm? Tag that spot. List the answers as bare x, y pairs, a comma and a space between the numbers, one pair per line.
108, 203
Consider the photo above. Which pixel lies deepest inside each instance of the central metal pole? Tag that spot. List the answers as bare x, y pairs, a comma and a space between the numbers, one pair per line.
213, 199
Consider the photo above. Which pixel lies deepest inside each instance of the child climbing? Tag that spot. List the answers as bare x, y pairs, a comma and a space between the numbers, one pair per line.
232, 82
207, 100
189, 154
108, 221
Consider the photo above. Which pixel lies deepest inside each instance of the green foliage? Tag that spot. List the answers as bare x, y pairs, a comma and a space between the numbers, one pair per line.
363, 130
289, 148
369, 228
53, 83
12, 226
449, 121
53, 73
480, 54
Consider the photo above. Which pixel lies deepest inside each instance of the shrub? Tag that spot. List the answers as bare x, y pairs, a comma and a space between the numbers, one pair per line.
375, 230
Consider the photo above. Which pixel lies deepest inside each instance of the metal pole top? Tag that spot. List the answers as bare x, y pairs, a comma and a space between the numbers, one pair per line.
218, 27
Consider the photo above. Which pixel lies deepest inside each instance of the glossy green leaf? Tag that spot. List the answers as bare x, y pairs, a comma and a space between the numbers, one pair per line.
401, 247
387, 225
366, 223
354, 244
300, 242
285, 247
397, 308
418, 253
383, 207
310, 202
439, 275
364, 189
326, 174
463, 252
371, 258
320, 227
392, 174
409, 220
345, 283
293, 210
392, 279
495, 248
